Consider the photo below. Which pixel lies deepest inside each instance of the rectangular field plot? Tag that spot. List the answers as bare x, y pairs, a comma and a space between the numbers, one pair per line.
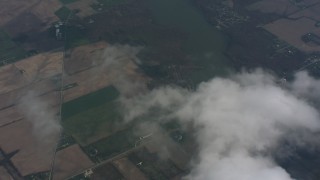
153, 166
88, 101
9, 51
106, 171
113, 145
93, 124
92, 117
63, 13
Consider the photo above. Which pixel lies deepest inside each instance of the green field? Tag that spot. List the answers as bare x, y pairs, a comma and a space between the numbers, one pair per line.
112, 2
9, 51
68, 1
115, 144
63, 13
37, 176
92, 124
65, 141
88, 101
75, 37
91, 117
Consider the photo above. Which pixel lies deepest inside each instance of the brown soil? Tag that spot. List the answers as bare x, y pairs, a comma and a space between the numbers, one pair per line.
36, 74
9, 115
69, 161
83, 57
292, 30
9, 9
42, 9
4, 174
33, 157
92, 72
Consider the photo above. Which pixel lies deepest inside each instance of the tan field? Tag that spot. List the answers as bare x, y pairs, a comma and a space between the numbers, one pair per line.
45, 10
9, 115
9, 99
41, 66
22, 127
12, 8
34, 156
69, 161
292, 30
23, 73
11, 79
42, 9
89, 68
84, 57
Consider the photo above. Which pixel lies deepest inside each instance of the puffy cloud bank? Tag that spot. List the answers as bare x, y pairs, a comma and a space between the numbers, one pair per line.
241, 119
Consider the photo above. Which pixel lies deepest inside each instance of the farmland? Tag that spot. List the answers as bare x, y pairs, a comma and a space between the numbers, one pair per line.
84, 59
9, 50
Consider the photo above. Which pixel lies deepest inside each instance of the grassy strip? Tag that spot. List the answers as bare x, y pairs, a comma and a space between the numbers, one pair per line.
68, 1
112, 2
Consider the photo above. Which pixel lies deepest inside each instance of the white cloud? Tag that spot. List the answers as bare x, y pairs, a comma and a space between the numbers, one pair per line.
306, 86
239, 119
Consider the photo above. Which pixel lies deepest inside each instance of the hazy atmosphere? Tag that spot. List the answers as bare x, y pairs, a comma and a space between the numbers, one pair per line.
159, 90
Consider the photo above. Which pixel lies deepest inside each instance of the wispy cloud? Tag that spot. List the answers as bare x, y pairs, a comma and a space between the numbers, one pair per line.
43, 117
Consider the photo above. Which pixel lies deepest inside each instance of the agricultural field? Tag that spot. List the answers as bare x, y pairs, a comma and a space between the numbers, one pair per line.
76, 37
4, 174
104, 171
9, 50
91, 117
63, 13
84, 57
65, 141
93, 124
88, 101
112, 2
68, 1
69, 161
44, 10
82, 8
29, 25
129, 170
115, 144
35, 80
154, 166
38, 176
